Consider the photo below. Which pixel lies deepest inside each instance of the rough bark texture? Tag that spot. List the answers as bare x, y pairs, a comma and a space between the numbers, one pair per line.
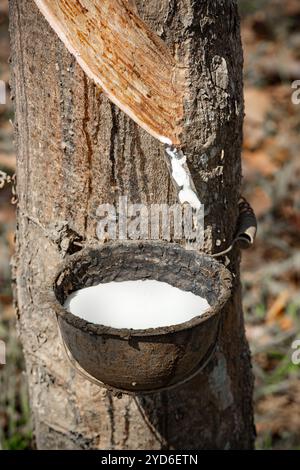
75, 151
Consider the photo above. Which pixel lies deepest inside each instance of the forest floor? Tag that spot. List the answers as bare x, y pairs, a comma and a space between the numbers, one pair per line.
271, 270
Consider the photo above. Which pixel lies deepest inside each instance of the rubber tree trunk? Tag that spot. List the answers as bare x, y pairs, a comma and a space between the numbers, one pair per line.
76, 151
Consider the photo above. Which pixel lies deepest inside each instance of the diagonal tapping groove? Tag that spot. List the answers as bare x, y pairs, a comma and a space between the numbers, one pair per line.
127, 60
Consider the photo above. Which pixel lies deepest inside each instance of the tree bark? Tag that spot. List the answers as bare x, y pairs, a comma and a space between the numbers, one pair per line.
76, 150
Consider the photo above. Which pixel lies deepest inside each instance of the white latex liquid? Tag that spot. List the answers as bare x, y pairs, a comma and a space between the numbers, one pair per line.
182, 179
135, 304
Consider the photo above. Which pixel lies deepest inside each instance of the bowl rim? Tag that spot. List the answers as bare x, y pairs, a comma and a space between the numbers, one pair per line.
126, 333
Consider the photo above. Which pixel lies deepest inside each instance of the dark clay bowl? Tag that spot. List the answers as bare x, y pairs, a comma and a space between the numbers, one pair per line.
141, 360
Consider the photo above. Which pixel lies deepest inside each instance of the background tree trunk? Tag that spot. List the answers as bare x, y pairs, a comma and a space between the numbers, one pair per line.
76, 151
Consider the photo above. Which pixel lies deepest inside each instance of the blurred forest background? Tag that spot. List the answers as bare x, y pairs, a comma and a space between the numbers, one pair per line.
271, 167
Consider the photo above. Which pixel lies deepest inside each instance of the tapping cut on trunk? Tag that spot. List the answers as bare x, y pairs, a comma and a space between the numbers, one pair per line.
130, 63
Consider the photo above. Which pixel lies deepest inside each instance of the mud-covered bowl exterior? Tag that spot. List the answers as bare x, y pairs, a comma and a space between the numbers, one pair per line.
141, 360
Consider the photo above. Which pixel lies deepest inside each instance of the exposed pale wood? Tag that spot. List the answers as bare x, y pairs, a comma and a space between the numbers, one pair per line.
125, 58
